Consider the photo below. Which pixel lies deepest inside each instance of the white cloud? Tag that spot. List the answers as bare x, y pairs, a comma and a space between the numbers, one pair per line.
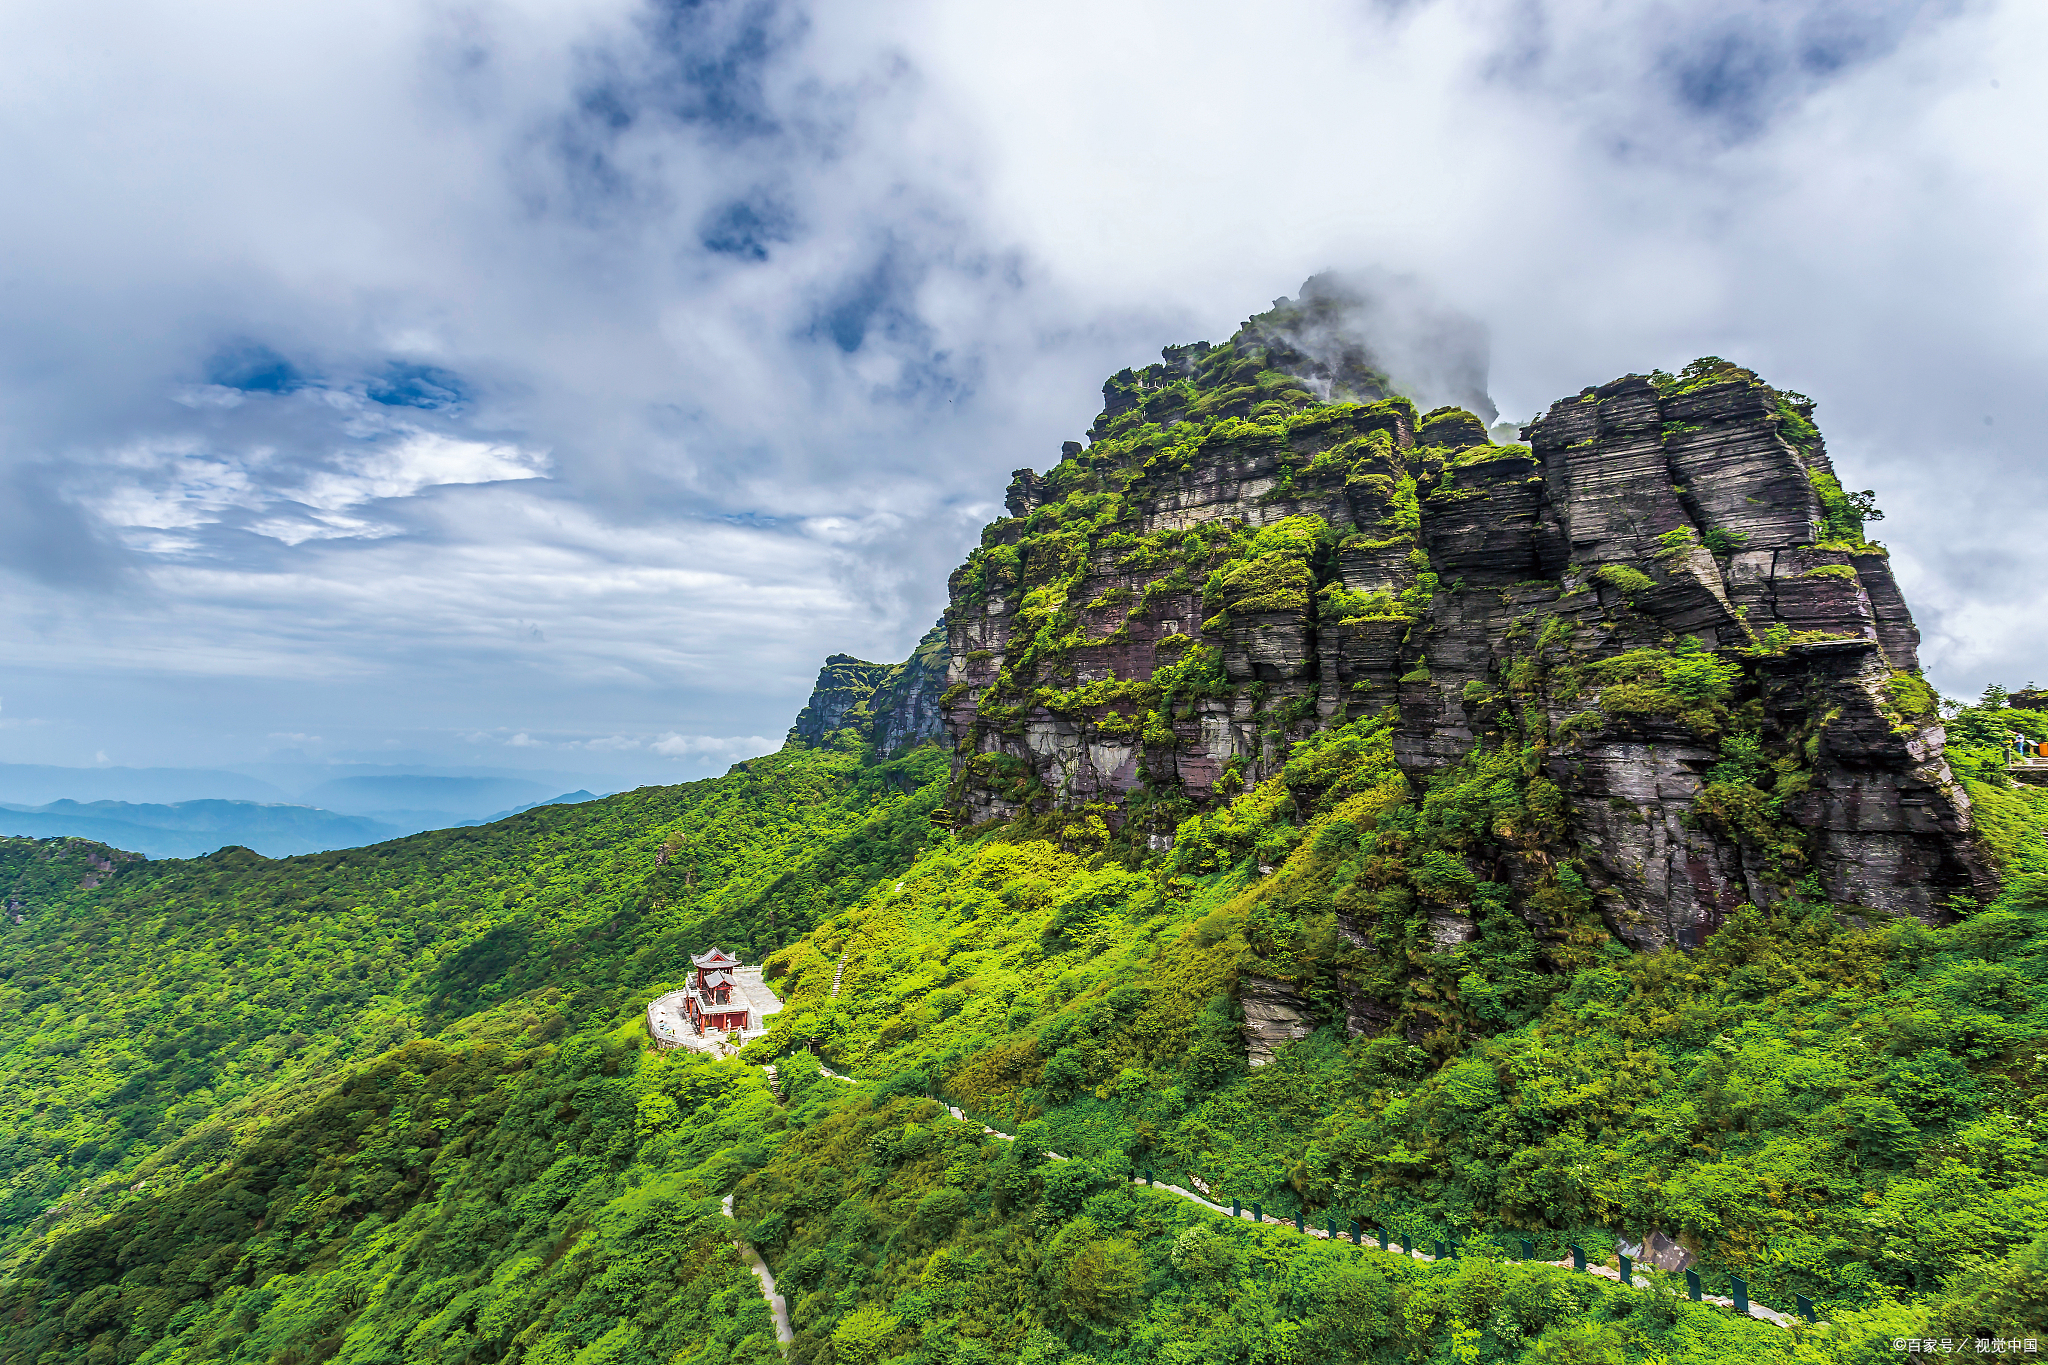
208, 396
536, 369
612, 744
420, 460
317, 526
183, 483
711, 746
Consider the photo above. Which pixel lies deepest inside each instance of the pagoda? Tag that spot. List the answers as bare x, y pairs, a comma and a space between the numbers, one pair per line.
715, 1001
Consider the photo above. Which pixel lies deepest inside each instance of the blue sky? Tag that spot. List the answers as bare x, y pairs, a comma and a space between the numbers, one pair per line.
554, 385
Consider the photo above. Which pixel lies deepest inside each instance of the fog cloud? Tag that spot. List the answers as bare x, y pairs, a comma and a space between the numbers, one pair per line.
1363, 333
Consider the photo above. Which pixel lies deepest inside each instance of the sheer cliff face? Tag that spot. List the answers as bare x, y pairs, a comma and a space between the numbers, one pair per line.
1664, 602
893, 706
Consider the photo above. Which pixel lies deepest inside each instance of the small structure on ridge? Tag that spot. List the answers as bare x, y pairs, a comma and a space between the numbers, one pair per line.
722, 999
711, 1002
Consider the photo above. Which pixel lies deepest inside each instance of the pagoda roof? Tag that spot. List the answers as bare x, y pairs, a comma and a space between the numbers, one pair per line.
719, 979
717, 957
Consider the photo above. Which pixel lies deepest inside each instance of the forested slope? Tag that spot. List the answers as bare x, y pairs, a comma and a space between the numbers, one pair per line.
1850, 1111
1844, 1108
150, 1011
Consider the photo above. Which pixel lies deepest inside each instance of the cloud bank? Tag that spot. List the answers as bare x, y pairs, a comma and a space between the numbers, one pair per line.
409, 373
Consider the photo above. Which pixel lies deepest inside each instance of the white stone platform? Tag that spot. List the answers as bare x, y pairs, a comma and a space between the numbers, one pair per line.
669, 1022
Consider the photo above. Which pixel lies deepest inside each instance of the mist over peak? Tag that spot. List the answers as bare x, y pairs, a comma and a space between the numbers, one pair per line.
1366, 334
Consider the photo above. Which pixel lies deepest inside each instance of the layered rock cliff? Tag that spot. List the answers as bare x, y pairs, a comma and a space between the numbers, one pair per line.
894, 706
1664, 602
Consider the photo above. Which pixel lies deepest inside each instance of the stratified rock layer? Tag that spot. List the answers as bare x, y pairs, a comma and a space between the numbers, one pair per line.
840, 700
1236, 564
907, 701
1276, 1013
895, 706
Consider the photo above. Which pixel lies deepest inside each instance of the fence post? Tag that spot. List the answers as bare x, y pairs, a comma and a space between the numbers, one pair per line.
1692, 1284
1628, 1272
1300, 1223
1258, 1214
1804, 1305
1383, 1239
1436, 1245
1738, 1289
1406, 1249
1528, 1248
1235, 1211
1357, 1231
1578, 1257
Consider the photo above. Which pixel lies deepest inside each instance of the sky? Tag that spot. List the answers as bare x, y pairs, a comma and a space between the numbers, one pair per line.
553, 385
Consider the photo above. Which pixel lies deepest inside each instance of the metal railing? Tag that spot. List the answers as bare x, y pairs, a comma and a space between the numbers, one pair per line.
1549, 1246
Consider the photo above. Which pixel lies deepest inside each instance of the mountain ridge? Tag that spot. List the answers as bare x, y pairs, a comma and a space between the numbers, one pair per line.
186, 829
1666, 601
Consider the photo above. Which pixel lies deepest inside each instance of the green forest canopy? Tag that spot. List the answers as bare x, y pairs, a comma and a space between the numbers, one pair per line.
398, 1103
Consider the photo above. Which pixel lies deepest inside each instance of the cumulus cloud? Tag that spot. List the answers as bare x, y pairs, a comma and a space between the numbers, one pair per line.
705, 746
404, 371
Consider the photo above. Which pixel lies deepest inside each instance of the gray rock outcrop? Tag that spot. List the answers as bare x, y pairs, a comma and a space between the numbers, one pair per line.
1275, 1013
1465, 587
896, 706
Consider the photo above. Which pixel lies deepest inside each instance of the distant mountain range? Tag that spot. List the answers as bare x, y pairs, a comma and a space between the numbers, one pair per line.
190, 829
349, 788
424, 802
35, 784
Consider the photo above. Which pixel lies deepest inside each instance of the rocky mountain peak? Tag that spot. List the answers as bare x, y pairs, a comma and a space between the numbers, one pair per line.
891, 706
1664, 605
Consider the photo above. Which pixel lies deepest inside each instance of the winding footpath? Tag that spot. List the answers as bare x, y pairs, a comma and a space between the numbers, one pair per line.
1756, 1310
778, 1308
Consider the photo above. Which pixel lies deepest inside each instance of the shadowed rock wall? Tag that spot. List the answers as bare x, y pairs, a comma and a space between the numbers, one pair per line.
896, 706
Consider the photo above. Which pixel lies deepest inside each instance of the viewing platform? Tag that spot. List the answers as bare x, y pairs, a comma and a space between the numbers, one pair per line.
2030, 770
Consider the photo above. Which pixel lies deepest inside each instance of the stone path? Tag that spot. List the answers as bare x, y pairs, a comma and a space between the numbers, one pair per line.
1756, 1310
838, 972
760, 999
667, 1021
778, 1308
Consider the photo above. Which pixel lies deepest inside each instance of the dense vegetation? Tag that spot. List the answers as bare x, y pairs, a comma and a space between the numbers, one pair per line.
396, 1104
1845, 1110
151, 1012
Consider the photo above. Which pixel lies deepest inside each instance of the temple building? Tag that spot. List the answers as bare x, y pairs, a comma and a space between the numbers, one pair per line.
721, 999
715, 1001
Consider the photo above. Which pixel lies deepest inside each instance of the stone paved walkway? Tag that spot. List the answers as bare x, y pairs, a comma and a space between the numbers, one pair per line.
1756, 1310
670, 1025
778, 1308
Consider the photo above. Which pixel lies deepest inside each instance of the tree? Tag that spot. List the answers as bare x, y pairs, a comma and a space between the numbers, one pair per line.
862, 1334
